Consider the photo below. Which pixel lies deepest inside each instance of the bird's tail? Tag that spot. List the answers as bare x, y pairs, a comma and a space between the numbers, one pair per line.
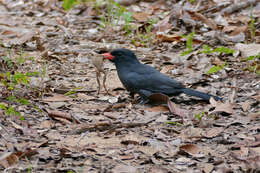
199, 94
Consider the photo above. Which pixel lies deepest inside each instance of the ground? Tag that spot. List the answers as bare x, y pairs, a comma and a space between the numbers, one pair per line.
59, 123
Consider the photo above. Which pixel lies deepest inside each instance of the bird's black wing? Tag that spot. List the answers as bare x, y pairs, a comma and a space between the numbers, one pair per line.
147, 79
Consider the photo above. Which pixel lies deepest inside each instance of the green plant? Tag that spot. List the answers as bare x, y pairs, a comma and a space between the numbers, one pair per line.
188, 44
199, 116
250, 58
10, 110
252, 23
114, 14
68, 4
14, 83
73, 91
215, 69
70, 171
147, 36
174, 123
128, 17
208, 50
255, 67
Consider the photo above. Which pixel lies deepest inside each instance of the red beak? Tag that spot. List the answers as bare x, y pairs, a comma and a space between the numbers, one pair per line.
108, 56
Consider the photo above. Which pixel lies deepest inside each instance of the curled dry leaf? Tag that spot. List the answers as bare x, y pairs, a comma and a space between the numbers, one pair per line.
160, 98
168, 38
97, 61
141, 16
191, 149
248, 49
246, 106
204, 19
213, 132
221, 107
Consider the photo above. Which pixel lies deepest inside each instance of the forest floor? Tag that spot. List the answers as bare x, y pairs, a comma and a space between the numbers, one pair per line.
53, 120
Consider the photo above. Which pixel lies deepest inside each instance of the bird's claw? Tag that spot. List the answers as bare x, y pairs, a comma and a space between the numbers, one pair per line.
142, 100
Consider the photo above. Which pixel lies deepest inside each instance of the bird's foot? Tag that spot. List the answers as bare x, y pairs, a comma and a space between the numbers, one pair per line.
142, 101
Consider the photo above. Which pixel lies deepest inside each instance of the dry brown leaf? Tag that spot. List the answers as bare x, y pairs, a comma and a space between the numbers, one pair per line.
163, 25
47, 124
59, 115
176, 109
148, 150
256, 150
238, 30
248, 49
168, 38
254, 116
257, 97
57, 98
160, 98
207, 167
157, 109
141, 16
8, 32
85, 96
129, 142
221, 107
213, 132
191, 149
124, 168
246, 106
167, 68
229, 28
9, 159
17, 126
127, 157
244, 151
202, 18
217, 61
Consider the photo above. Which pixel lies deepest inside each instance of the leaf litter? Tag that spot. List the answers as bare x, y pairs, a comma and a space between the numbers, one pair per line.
68, 127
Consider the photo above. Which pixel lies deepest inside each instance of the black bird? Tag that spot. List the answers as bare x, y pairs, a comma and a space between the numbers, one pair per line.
145, 80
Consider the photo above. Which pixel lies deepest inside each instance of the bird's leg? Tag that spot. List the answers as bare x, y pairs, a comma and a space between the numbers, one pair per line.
98, 81
142, 100
132, 95
144, 95
104, 81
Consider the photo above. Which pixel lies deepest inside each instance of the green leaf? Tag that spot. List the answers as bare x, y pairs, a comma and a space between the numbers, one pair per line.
252, 22
3, 107
214, 69
10, 110
186, 52
252, 57
189, 40
70, 93
206, 49
30, 74
223, 49
199, 116
188, 44
68, 4
23, 101
21, 117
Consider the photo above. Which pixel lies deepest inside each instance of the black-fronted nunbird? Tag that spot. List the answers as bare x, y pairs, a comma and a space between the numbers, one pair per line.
145, 80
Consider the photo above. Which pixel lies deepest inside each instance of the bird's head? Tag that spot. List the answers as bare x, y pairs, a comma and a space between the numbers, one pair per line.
120, 55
